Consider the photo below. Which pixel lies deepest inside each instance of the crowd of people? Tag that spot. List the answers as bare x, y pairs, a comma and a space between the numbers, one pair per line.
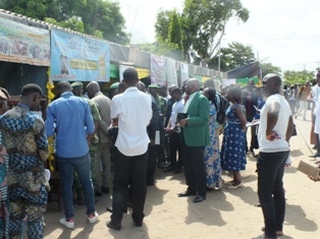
115, 144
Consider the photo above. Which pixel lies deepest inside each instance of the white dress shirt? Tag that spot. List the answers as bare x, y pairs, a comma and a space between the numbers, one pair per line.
134, 112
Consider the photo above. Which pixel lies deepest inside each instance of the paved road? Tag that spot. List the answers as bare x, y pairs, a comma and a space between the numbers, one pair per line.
225, 214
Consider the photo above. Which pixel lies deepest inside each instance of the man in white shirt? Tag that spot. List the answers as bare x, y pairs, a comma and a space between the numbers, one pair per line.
132, 112
315, 96
275, 130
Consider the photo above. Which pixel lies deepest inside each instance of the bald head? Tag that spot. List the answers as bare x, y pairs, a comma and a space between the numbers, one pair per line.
64, 86
271, 84
92, 88
192, 86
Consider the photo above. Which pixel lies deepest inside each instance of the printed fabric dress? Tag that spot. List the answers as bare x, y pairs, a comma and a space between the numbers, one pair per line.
233, 150
4, 205
212, 154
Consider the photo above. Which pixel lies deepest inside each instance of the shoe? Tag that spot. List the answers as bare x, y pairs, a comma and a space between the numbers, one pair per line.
68, 223
232, 186
115, 226
151, 183
278, 233
137, 223
105, 190
177, 171
314, 147
124, 210
262, 236
315, 155
199, 198
98, 193
168, 169
228, 182
187, 193
93, 218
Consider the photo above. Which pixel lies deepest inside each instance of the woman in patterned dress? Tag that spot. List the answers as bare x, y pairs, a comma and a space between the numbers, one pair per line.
212, 151
233, 150
4, 214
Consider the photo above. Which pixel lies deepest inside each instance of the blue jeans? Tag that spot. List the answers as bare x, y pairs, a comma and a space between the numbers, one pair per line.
270, 190
82, 165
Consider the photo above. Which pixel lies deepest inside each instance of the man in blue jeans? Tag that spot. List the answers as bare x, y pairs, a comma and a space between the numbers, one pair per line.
275, 130
70, 117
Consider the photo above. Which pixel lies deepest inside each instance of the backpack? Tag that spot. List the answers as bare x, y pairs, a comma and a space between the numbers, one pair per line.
221, 114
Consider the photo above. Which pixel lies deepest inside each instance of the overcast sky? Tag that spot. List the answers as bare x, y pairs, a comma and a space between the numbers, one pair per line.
284, 33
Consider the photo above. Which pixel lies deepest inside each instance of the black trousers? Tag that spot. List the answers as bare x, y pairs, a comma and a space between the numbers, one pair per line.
195, 169
127, 170
175, 145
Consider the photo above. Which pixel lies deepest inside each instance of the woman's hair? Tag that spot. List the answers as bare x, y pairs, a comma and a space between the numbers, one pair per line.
235, 93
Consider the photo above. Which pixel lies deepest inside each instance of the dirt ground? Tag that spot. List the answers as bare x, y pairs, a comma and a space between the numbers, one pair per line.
224, 214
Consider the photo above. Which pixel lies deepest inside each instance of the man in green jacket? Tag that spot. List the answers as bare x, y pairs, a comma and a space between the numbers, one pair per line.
195, 131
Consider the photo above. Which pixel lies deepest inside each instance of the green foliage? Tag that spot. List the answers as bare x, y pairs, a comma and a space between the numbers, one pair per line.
267, 68
233, 56
101, 18
297, 77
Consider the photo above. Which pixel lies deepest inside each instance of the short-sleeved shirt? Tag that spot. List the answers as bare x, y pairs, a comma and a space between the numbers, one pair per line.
277, 145
134, 112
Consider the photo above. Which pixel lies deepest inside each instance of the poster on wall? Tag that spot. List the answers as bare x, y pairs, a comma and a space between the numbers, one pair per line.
158, 71
184, 72
172, 78
79, 58
21, 43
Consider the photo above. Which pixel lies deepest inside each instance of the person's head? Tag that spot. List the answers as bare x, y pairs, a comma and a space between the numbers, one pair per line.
163, 91
153, 89
271, 84
4, 96
210, 93
192, 86
209, 83
234, 94
142, 87
93, 88
183, 87
63, 86
31, 95
77, 88
113, 90
318, 77
250, 85
130, 77
175, 93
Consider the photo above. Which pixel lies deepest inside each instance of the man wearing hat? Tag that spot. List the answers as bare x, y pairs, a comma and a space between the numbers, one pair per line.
113, 90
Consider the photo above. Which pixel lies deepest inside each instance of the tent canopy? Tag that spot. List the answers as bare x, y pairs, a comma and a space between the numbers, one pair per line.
249, 70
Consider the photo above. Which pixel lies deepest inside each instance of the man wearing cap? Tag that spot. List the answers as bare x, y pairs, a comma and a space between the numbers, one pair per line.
113, 90
195, 132
130, 164
103, 103
26, 142
93, 140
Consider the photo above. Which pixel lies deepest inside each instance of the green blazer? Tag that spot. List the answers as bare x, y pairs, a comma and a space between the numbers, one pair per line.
196, 131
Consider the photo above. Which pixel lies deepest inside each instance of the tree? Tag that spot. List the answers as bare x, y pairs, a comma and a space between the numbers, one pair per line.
101, 18
267, 68
297, 77
204, 22
233, 56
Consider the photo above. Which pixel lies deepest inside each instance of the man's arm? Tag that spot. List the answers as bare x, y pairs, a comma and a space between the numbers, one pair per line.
41, 139
272, 119
49, 122
290, 128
